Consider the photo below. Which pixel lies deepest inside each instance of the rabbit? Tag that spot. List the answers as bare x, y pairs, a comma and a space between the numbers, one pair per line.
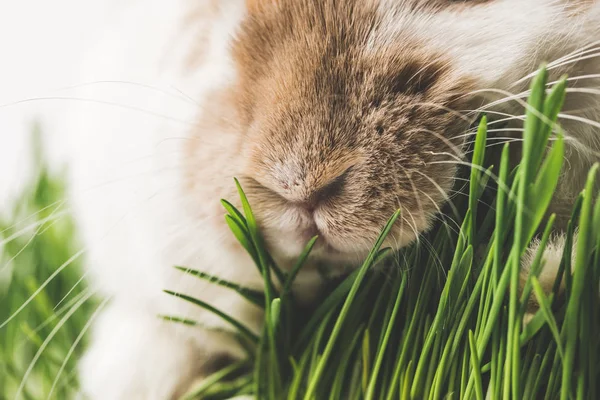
331, 113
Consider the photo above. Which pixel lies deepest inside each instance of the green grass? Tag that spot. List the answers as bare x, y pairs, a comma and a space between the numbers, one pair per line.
411, 324
35, 243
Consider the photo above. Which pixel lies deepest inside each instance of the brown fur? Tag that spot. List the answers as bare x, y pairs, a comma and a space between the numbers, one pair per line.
315, 106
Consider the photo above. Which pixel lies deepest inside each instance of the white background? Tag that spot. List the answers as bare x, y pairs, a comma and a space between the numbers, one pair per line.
41, 45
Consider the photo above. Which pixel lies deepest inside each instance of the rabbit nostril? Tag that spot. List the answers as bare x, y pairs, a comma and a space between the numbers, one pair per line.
333, 188
308, 197
308, 206
323, 194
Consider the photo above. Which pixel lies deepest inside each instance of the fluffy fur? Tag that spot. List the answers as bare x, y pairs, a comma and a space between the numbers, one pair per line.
332, 113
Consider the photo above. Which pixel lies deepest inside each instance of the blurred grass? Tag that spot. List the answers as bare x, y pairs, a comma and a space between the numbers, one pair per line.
37, 237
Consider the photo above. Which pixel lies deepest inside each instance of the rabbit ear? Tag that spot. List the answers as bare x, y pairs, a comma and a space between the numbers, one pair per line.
256, 5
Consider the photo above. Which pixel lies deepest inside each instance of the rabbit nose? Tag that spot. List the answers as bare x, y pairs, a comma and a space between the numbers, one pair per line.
315, 197
307, 197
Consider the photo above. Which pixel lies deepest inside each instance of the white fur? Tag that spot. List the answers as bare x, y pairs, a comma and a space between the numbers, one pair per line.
551, 258
125, 190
